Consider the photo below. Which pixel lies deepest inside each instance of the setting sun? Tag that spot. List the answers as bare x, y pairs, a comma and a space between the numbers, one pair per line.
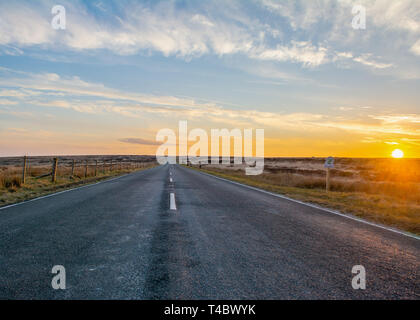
397, 153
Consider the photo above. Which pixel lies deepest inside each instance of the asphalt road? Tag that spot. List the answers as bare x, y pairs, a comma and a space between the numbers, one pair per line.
120, 240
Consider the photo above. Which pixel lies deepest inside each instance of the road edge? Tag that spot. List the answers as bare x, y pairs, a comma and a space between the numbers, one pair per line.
73, 189
336, 212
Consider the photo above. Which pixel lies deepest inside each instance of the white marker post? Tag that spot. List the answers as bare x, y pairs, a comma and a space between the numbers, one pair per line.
329, 163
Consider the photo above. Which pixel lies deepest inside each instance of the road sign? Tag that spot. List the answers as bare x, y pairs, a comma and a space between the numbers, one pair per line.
329, 162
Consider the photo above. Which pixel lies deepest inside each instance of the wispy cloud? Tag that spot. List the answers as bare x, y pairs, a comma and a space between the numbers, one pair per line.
48, 84
202, 30
140, 141
366, 60
302, 52
6, 102
416, 48
127, 104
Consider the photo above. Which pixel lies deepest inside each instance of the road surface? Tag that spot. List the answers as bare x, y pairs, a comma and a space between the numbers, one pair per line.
119, 239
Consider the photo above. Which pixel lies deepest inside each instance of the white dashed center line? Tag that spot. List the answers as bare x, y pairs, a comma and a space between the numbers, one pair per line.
172, 201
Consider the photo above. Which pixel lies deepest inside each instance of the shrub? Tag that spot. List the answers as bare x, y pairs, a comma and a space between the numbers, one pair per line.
9, 182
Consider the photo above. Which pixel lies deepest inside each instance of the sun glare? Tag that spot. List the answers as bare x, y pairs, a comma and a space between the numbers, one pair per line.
397, 153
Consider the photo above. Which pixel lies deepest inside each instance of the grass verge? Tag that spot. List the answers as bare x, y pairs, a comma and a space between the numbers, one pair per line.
397, 213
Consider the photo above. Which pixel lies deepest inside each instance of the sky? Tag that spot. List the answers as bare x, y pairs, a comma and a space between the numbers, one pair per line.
122, 70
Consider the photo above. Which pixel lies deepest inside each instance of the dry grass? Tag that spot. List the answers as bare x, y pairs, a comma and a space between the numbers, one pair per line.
9, 181
388, 193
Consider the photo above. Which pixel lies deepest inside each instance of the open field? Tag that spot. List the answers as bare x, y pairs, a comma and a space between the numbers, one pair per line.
385, 191
38, 182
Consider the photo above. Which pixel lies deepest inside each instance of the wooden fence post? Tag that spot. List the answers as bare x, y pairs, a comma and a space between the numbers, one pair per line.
54, 170
24, 170
86, 168
111, 166
96, 167
72, 168
103, 167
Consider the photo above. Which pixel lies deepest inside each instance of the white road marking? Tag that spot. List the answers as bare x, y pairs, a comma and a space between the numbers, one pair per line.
172, 204
407, 234
170, 180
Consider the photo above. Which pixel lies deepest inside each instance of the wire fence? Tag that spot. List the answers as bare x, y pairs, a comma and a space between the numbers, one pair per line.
19, 171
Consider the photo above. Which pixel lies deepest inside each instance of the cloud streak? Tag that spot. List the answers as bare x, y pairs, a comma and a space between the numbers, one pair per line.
140, 141
192, 32
54, 91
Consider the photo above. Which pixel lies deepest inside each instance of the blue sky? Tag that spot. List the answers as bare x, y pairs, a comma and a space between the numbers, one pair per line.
125, 69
